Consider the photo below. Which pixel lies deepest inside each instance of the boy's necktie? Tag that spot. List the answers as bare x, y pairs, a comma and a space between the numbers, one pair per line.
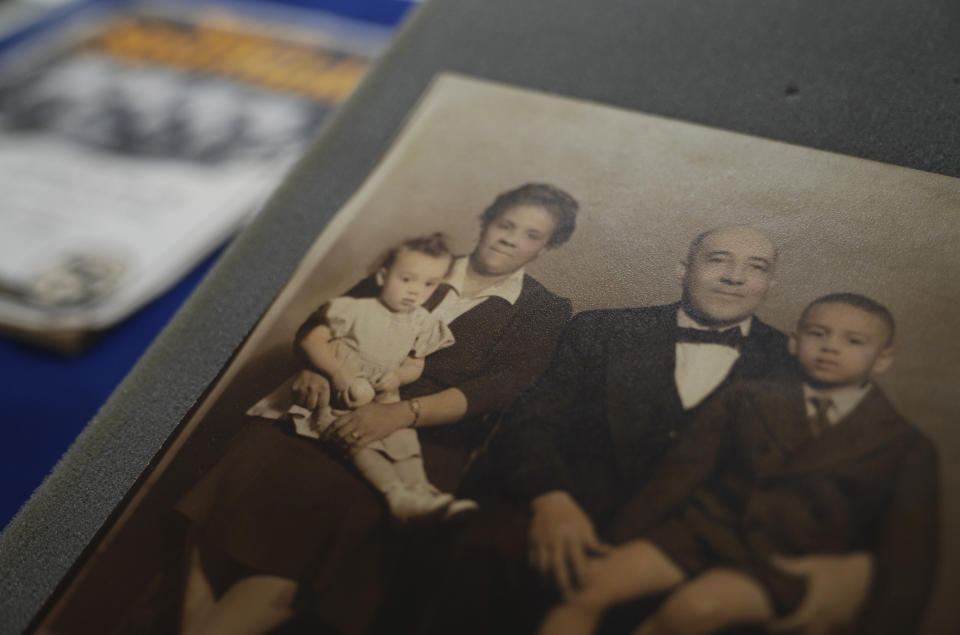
819, 421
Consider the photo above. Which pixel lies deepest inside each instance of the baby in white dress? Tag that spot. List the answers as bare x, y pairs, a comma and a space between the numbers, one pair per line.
367, 348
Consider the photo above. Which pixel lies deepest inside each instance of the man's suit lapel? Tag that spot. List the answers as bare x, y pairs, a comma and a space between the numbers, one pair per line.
755, 353
782, 415
752, 355
639, 381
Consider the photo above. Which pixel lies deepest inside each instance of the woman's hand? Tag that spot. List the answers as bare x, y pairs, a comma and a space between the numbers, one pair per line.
371, 422
562, 540
310, 389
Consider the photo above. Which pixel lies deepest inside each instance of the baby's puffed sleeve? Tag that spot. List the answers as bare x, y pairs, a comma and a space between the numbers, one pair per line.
434, 336
339, 315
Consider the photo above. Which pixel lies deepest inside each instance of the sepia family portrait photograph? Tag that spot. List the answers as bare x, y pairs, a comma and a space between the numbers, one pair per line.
560, 368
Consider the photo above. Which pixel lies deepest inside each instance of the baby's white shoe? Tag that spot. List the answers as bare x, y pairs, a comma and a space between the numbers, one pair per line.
455, 506
416, 503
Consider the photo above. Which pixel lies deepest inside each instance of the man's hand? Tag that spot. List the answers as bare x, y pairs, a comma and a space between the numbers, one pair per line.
310, 389
562, 539
837, 586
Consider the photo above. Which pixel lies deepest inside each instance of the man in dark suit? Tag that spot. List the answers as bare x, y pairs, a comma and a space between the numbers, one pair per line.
619, 392
621, 389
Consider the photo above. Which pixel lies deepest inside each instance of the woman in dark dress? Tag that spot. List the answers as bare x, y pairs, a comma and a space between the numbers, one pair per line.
279, 518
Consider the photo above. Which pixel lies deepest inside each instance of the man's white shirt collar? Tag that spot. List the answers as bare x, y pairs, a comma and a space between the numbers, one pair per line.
701, 367
509, 288
685, 321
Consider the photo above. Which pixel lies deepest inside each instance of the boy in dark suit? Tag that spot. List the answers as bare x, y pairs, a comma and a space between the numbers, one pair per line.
816, 463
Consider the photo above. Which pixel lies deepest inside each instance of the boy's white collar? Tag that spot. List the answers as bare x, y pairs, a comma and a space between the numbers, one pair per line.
844, 399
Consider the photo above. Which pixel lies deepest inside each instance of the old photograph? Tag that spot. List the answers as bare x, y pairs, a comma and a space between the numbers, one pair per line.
563, 368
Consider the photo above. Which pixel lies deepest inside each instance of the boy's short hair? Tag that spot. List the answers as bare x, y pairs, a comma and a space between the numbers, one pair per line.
859, 301
560, 205
434, 244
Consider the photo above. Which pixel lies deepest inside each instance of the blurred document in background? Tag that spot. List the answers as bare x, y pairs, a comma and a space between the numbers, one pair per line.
135, 137
16, 14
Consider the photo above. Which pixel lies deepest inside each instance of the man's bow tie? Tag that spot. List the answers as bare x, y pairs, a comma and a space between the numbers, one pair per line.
732, 337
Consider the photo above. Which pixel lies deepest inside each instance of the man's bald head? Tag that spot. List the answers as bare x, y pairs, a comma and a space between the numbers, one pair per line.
743, 231
727, 274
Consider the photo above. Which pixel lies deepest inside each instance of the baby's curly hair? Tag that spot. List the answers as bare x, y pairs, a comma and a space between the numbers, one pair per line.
434, 244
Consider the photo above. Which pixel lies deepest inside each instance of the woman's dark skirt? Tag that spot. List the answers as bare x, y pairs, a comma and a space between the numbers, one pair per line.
281, 505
